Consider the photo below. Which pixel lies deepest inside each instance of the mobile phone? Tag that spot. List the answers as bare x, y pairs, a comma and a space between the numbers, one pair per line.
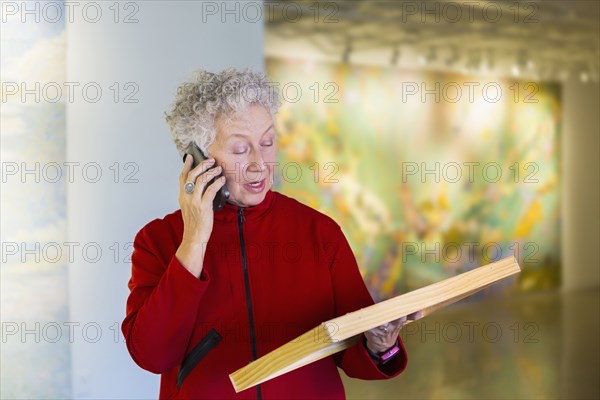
223, 193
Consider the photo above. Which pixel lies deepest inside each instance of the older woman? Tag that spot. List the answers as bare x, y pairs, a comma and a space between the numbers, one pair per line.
213, 290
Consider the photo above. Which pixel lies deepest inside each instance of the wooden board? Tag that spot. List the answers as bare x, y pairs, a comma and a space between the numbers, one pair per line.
342, 332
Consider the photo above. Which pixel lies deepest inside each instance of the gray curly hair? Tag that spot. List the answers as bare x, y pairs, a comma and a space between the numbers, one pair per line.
208, 98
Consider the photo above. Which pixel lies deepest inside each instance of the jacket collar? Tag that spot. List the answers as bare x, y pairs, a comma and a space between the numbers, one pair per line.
230, 211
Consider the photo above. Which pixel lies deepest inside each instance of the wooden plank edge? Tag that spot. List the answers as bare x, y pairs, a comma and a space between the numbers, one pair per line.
291, 355
354, 323
326, 351
331, 349
313, 341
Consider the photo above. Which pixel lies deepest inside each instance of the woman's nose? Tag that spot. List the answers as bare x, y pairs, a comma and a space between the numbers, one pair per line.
257, 163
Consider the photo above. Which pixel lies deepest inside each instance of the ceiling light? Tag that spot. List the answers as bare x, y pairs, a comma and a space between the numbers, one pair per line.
584, 77
515, 71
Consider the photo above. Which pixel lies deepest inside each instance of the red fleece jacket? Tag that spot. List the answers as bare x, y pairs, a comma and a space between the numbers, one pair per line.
271, 272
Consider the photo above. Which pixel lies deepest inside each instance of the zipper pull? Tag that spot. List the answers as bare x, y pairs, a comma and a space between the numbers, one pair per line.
241, 215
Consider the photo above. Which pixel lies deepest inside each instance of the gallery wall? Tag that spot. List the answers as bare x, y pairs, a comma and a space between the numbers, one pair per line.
580, 232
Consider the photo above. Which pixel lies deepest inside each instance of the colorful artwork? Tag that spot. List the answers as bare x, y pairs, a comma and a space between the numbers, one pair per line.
428, 174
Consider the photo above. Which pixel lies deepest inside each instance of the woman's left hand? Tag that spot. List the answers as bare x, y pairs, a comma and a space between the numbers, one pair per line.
383, 337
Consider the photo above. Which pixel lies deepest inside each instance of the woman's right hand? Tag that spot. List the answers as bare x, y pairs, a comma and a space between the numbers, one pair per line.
197, 211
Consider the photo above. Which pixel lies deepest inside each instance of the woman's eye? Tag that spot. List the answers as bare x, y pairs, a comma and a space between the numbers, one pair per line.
239, 151
268, 144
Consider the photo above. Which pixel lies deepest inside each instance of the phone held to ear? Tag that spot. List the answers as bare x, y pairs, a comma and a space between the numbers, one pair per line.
223, 193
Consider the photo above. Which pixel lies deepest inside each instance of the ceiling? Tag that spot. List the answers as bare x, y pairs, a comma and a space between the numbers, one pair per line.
541, 40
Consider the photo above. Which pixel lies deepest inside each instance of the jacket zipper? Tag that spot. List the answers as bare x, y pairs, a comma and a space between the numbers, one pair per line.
241, 220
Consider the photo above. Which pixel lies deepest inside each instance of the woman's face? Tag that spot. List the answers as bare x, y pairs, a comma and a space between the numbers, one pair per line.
246, 150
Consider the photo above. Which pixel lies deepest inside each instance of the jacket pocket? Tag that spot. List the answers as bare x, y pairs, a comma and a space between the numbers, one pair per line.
207, 343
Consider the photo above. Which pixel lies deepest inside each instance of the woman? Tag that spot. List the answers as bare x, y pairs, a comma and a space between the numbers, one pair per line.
213, 290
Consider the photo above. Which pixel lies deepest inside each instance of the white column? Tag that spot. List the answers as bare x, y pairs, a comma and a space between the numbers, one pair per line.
123, 136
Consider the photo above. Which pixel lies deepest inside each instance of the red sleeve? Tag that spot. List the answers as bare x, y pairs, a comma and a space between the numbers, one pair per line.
162, 305
351, 294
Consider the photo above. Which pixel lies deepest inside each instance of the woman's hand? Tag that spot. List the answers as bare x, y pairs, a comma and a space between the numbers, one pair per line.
197, 211
383, 337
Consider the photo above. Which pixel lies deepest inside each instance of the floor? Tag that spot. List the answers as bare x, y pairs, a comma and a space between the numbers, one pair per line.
543, 345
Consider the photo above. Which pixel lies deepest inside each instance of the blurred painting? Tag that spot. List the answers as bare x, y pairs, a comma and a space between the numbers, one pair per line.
429, 174
35, 357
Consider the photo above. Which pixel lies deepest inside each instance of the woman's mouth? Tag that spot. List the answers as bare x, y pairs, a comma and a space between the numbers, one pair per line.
255, 187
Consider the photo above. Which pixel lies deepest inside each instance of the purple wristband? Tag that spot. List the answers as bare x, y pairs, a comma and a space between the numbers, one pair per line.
389, 353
